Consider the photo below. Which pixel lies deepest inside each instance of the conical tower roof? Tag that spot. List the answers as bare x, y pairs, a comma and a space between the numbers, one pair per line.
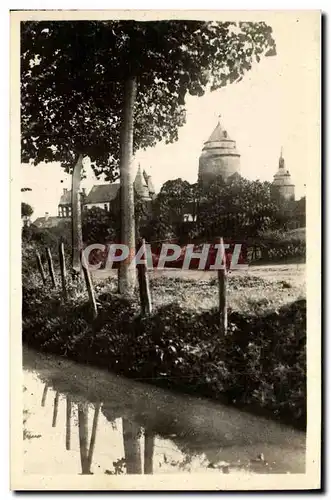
220, 141
140, 184
218, 135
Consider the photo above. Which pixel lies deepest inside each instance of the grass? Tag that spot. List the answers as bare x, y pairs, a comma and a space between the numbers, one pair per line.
255, 291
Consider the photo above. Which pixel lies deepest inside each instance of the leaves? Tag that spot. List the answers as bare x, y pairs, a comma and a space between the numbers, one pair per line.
239, 208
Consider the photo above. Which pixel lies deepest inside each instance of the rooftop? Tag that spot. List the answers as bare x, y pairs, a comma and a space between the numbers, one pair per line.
102, 193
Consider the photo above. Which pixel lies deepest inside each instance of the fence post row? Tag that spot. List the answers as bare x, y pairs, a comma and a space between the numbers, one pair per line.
144, 288
222, 289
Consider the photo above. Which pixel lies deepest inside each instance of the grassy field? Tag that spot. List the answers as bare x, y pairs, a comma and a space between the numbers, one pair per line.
255, 290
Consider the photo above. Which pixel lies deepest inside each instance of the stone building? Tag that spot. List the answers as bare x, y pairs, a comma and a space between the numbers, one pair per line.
219, 157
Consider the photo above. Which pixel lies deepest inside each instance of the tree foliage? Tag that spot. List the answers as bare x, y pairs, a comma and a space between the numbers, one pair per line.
73, 74
236, 208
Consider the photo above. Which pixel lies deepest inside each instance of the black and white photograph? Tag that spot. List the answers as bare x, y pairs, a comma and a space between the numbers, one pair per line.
165, 295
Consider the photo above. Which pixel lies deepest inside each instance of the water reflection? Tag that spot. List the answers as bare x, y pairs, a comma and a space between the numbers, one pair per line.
88, 425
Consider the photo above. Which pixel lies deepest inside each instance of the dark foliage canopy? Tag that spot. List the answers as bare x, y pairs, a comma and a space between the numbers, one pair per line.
73, 73
26, 210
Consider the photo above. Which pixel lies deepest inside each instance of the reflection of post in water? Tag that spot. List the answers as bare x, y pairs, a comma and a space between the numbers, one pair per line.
68, 423
148, 452
56, 408
43, 399
94, 432
86, 451
131, 439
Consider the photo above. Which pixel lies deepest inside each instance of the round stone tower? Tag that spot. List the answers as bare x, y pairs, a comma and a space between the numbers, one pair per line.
282, 187
219, 157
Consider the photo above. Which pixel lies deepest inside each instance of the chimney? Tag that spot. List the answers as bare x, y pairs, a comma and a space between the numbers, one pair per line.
65, 190
46, 215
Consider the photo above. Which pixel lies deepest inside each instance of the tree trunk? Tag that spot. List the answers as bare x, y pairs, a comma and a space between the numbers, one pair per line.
127, 275
77, 235
131, 439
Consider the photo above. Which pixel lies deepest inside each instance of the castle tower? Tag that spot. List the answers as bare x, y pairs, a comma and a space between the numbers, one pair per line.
282, 187
219, 157
140, 185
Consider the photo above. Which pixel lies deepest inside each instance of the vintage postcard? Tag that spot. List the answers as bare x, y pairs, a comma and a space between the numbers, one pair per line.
165, 262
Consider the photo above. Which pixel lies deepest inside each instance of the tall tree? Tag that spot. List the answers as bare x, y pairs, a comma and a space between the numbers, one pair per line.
84, 84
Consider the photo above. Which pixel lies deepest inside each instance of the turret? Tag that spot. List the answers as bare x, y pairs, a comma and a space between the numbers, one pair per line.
140, 185
219, 157
282, 187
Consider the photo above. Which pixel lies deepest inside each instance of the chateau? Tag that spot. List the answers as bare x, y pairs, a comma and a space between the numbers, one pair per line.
219, 158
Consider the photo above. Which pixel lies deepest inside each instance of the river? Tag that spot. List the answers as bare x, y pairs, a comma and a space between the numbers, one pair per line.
82, 420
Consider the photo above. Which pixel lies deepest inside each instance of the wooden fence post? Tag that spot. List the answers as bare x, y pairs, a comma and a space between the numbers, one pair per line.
89, 285
222, 290
63, 269
50, 266
144, 289
40, 267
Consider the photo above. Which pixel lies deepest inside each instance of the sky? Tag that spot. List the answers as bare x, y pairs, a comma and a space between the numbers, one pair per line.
273, 107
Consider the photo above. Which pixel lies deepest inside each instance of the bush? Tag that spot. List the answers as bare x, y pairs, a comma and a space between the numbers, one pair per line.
278, 245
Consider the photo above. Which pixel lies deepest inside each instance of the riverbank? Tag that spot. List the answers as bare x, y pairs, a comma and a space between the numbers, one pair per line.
260, 364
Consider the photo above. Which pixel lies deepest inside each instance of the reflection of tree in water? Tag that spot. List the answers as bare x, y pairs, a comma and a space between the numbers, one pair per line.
133, 432
87, 448
132, 449
148, 452
138, 437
